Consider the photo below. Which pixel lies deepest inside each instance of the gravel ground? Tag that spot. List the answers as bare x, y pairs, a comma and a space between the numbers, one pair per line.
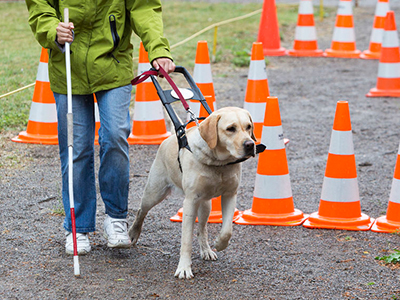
262, 262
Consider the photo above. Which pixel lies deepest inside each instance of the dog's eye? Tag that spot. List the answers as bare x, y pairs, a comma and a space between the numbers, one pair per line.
231, 129
248, 127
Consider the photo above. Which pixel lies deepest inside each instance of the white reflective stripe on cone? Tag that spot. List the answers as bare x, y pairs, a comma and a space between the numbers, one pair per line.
390, 39
43, 72
148, 111
272, 187
305, 33
202, 73
143, 67
43, 112
272, 137
343, 34
257, 70
305, 7
341, 143
345, 8
395, 191
340, 190
389, 70
381, 9
376, 35
256, 110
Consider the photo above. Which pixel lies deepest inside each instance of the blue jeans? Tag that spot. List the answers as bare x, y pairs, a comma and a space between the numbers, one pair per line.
114, 155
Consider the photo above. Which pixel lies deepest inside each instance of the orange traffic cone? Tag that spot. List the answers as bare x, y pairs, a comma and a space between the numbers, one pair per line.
272, 201
148, 125
97, 119
339, 207
391, 222
42, 124
375, 44
388, 83
215, 214
202, 76
305, 42
257, 89
268, 33
344, 39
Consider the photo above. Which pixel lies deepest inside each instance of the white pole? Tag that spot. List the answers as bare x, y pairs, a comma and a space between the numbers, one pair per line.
70, 126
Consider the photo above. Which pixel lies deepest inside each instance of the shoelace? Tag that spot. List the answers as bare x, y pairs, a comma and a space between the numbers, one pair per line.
80, 236
119, 226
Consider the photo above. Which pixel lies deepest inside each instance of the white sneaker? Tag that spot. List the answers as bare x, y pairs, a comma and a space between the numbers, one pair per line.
116, 232
83, 243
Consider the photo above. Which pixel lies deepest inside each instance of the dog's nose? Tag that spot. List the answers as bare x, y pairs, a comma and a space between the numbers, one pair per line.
249, 147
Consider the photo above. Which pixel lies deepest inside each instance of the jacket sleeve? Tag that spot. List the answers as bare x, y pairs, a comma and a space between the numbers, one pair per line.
43, 21
146, 22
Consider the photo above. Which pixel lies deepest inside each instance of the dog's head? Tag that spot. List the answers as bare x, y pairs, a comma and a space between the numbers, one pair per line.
229, 133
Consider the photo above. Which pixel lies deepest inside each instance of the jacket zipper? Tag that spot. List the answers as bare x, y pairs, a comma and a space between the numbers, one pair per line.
114, 34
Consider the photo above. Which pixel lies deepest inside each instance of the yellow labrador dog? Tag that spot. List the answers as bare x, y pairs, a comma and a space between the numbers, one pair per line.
209, 171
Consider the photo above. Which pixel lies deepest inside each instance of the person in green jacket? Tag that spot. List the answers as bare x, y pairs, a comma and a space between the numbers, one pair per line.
101, 65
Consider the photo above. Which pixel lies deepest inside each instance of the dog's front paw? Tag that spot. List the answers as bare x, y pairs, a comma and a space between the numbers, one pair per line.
184, 271
208, 254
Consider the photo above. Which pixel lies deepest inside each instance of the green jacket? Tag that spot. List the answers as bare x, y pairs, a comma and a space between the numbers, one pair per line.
101, 53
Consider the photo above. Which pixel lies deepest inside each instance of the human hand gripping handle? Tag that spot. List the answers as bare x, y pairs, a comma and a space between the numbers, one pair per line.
165, 63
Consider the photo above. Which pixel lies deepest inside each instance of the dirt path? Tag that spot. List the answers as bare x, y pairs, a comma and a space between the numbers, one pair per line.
262, 262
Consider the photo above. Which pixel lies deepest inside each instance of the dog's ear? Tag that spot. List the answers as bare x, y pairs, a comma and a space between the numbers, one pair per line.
209, 130
253, 137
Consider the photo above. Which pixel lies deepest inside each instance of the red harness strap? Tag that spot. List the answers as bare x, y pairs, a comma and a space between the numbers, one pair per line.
142, 77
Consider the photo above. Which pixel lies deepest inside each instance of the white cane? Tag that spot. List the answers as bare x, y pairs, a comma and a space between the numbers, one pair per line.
70, 126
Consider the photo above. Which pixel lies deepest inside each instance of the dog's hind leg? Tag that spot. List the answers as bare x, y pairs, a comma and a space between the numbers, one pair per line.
154, 192
228, 204
203, 214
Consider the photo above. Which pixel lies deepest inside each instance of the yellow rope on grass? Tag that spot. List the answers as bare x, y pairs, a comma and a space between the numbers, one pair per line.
216, 24
18, 90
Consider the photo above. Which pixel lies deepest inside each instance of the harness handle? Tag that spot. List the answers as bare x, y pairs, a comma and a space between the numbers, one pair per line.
142, 77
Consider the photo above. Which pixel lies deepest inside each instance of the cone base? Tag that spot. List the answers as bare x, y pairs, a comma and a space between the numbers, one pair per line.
362, 223
370, 55
274, 52
289, 219
374, 92
148, 139
302, 53
382, 224
215, 216
342, 54
28, 138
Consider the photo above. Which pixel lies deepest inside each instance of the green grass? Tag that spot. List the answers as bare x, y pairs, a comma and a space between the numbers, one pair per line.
19, 51
392, 258
58, 208
19, 60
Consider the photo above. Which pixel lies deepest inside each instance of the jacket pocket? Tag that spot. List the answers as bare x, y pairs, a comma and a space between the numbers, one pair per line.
114, 34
